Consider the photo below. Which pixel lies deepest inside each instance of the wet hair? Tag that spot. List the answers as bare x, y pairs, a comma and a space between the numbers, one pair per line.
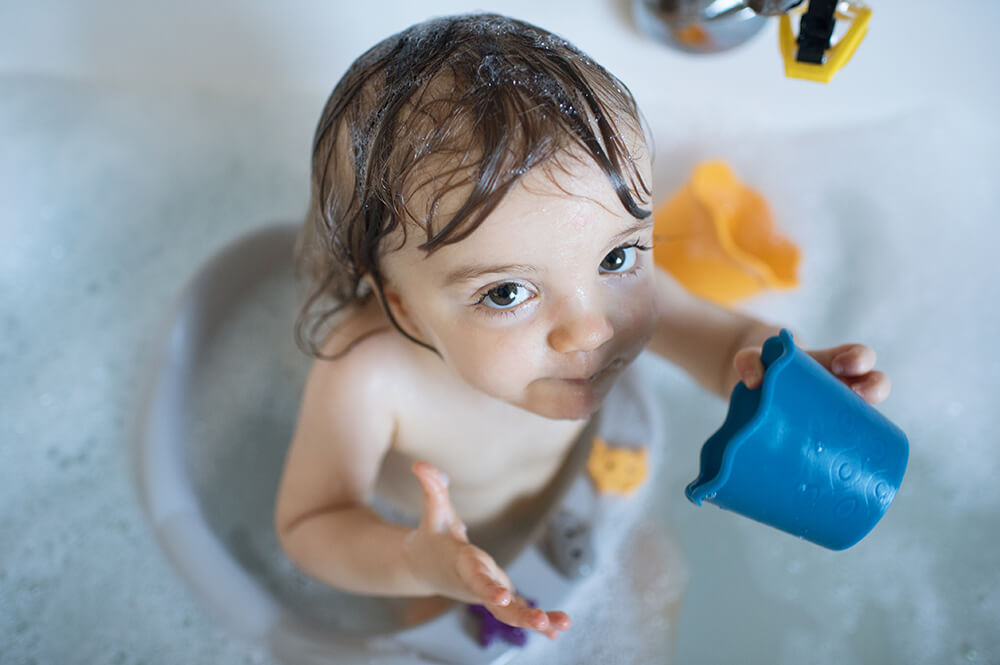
463, 104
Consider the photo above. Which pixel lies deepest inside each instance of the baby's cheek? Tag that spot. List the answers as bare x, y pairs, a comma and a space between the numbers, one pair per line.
636, 320
497, 364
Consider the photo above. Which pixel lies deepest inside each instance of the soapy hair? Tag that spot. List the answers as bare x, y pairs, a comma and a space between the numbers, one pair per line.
461, 105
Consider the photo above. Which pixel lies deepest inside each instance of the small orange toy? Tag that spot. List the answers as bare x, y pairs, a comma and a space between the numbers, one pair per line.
615, 469
717, 238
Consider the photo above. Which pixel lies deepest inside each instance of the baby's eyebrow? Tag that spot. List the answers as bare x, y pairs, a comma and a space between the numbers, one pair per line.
467, 273
637, 226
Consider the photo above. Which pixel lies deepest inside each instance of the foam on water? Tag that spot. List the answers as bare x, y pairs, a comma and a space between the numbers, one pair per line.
896, 222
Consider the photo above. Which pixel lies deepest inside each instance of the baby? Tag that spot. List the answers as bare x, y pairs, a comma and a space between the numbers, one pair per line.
477, 251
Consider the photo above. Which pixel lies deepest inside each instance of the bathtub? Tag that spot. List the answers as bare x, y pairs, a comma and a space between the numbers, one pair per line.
130, 160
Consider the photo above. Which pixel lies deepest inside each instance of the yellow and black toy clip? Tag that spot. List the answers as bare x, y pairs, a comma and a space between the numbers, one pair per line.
810, 55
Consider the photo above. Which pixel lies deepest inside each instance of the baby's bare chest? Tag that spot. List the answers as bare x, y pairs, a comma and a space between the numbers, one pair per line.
475, 452
493, 455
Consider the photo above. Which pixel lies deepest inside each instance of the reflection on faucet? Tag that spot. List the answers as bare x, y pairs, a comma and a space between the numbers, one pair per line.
703, 26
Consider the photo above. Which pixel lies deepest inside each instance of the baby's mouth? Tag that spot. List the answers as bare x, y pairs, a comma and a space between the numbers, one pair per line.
605, 371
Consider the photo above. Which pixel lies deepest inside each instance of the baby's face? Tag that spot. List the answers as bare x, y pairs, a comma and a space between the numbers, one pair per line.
546, 302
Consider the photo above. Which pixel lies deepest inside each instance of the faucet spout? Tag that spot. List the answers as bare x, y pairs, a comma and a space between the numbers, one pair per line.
701, 26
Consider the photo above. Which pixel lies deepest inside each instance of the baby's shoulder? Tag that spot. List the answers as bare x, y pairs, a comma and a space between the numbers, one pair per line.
353, 326
366, 357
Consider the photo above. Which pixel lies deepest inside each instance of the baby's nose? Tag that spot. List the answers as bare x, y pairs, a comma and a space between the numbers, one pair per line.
581, 331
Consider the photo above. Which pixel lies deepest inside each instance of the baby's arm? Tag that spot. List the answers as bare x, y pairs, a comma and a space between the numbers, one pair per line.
321, 517
701, 337
720, 347
327, 529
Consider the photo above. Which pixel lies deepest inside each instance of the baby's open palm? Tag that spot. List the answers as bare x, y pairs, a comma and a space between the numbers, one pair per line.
440, 552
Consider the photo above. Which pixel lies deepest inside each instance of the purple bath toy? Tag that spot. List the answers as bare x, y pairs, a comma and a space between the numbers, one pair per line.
491, 628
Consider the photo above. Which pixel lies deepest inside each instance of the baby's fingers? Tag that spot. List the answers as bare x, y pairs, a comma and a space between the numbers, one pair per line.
749, 368
489, 590
519, 613
438, 515
846, 360
483, 577
559, 620
486, 581
854, 365
873, 387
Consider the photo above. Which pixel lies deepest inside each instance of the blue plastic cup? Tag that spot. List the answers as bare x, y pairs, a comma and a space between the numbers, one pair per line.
803, 453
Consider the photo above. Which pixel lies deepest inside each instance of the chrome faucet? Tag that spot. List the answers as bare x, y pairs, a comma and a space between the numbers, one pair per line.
706, 26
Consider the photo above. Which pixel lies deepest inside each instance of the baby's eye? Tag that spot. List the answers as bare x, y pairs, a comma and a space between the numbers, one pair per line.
505, 296
620, 259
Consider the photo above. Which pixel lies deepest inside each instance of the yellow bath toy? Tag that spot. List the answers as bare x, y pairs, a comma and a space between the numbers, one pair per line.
616, 469
836, 56
717, 238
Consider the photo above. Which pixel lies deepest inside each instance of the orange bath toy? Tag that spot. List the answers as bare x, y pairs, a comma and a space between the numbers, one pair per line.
616, 470
717, 238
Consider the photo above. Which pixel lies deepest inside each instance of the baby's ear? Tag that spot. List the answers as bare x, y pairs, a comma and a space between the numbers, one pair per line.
393, 302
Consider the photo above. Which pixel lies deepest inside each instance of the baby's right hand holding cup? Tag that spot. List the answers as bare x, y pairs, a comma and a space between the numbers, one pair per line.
440, 553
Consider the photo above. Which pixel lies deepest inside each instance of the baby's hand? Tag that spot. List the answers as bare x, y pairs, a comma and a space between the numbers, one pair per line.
440, 552
851, 363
